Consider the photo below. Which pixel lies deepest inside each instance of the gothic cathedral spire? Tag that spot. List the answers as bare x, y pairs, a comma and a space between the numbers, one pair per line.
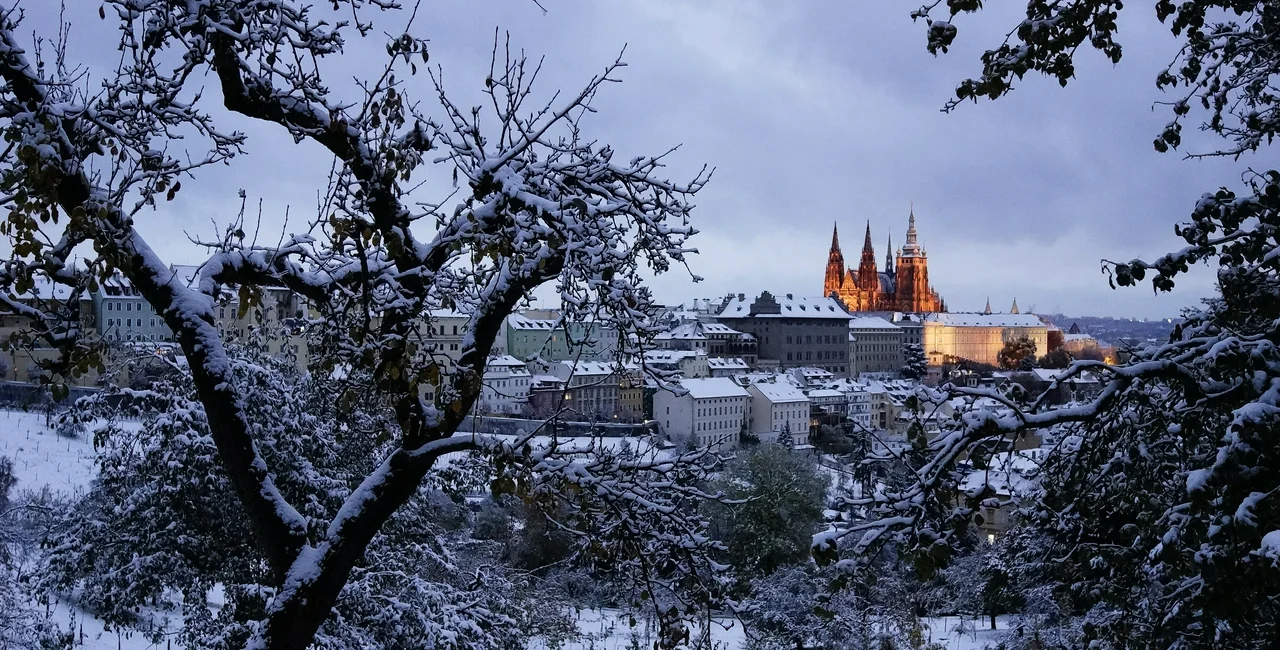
888, 255
835, 266
868, 277
912, 247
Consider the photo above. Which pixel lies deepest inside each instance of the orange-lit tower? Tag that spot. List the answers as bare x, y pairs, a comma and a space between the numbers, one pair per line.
835, 266
912, 275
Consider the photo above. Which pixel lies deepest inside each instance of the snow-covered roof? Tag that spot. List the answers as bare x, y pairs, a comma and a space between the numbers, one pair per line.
825, 393
846, 385
810, 373
518, 322
870, 322
713, 387
1077, 337
587, 368
670, 356
780, 392
790, 307
682, 332
505, 360
718, 328
448, 313
726, 363
986, 320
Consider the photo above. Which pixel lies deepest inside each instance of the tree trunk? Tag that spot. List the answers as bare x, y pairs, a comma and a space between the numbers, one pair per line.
993, 620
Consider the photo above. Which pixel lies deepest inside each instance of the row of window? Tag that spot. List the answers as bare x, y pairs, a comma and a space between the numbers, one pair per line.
720, 410
719, 425
127, 322
126, 306
823, 355
823, 339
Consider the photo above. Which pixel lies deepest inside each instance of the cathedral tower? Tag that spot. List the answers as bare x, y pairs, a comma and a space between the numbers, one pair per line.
888, 256
912, 280
868, 278
835, 266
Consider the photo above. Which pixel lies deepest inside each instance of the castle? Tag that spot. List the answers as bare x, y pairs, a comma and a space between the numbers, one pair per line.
902, 286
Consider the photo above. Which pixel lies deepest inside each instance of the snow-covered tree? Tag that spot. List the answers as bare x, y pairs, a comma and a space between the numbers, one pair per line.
537, 202
1159, 512
1057, 359
24, 624
1016, 352
777, 499
915, 364
795, 608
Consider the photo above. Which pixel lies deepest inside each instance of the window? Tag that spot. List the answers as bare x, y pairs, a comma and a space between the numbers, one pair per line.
110, 307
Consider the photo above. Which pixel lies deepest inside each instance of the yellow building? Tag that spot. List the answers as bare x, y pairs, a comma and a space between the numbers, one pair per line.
979, 337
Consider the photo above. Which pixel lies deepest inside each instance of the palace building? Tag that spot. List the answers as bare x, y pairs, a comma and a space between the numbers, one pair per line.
903, 286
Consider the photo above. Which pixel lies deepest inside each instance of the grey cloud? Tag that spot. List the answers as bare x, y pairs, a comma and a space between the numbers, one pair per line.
812, 113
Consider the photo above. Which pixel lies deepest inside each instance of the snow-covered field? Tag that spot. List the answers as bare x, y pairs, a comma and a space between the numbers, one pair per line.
41, 458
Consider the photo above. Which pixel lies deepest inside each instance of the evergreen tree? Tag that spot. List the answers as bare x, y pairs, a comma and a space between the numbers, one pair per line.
1017, 351
1057, 360
916, 366
778, 499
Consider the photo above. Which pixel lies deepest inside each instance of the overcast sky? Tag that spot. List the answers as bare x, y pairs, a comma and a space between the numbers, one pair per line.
812, 113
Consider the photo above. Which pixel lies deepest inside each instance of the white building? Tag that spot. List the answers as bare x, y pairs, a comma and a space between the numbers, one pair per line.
979, 337
875, 346
591, 387
712, 411
505, 387
691, 364
442, 333
778, 406
123, 315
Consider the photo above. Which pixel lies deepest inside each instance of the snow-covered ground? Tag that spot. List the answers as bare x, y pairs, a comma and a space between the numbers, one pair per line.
955, 633
66, 465
41, 458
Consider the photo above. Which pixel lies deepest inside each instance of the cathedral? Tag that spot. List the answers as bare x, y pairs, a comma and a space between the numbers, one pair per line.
902, 286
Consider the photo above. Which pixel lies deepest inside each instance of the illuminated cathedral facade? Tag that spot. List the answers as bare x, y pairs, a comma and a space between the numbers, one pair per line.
903, 285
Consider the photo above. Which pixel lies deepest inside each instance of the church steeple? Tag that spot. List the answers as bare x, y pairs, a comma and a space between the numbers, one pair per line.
988, 309
835, 265
868, 277
912, 248
1014, 310
888, 256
